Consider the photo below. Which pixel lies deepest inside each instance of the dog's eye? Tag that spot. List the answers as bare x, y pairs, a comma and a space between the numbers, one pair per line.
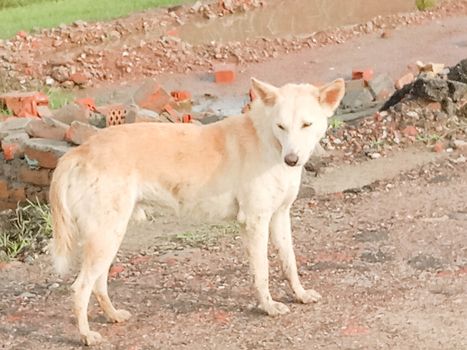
306, 125
280, 126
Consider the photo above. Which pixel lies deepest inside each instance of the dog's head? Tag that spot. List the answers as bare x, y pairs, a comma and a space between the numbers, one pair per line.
298, 115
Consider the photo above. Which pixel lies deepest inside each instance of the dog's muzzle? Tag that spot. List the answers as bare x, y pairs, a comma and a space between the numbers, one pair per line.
291, 159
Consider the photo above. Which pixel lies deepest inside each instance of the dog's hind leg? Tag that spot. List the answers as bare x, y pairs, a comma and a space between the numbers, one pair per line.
104, 232
256, 240
102, 296
281, 236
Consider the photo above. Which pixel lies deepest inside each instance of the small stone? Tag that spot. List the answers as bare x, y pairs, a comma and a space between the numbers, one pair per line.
438, 147
54, 285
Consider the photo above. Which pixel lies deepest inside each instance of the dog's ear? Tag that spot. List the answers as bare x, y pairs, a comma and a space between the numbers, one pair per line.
330, 96
266, 92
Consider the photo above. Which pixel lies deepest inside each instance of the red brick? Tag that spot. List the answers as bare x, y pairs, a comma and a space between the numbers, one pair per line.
152, 96
224, 73
171, 113
410, 131
51, 131
187, 118
45, 152
6, 204
365, 74
115, 270
79, 132
12, 151
40, 177
180, 95
24, 104
79, 78
87, 102
114, 114
404, 80
3, 188
17, 193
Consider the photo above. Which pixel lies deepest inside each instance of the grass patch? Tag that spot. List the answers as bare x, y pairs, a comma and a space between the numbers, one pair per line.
25, 231
335, 123
58, 97
206, 235
16, 15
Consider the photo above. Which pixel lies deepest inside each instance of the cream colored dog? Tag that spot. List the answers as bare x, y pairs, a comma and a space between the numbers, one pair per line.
246, 167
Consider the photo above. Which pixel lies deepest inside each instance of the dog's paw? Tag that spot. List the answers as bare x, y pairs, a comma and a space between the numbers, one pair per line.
91, 338
309, 296
275, 308
121, 316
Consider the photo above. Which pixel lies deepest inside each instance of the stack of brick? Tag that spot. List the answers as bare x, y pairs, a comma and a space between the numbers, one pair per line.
34, 138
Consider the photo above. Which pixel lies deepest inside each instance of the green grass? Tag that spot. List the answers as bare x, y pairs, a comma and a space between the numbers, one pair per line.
26, 231
206, 235
17, 15
335, 123
58, 97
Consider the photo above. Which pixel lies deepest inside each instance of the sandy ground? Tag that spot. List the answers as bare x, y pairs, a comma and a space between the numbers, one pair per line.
390, 260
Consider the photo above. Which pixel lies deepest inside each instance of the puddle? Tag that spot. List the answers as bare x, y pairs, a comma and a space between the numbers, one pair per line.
282, 18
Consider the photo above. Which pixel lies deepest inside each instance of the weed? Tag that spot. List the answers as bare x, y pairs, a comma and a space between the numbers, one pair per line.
428, 138
58, 97
206, 235
336, 123
26, 231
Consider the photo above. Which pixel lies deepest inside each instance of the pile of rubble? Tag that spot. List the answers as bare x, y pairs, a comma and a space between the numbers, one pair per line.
34, 137
144, 45
432, 108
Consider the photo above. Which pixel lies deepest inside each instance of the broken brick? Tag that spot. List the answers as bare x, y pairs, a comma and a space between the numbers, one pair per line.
187, 118
79, 78
79, 132
115, 270
410, 131
115, 114
224, 73
3, 188
438, 147
52, 130
404, 80
365, 74
45, 152
171, 113
87, 102
152, 96
24, 104
13, 145
39, 177
180, 95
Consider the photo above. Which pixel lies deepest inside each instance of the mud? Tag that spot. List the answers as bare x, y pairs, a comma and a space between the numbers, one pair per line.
288, 18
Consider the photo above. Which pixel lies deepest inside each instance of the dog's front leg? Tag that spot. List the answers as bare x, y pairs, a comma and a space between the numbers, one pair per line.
256, 240
281, 235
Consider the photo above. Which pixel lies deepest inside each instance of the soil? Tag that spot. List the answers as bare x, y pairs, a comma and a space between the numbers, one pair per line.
382, 240
390, 260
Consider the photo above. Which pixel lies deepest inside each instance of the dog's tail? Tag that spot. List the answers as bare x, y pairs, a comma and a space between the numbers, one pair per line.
63, 226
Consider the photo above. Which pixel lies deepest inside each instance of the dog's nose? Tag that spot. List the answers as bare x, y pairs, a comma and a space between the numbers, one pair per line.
291, 159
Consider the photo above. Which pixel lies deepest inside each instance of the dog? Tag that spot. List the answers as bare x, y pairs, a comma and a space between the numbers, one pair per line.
245, 167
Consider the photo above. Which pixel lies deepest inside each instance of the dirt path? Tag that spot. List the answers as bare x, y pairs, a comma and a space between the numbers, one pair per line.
390, 261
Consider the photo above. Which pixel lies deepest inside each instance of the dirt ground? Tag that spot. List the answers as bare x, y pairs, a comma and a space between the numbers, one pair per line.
389, 258
384, 241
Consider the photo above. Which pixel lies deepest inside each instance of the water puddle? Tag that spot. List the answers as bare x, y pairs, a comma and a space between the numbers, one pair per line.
282, 18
